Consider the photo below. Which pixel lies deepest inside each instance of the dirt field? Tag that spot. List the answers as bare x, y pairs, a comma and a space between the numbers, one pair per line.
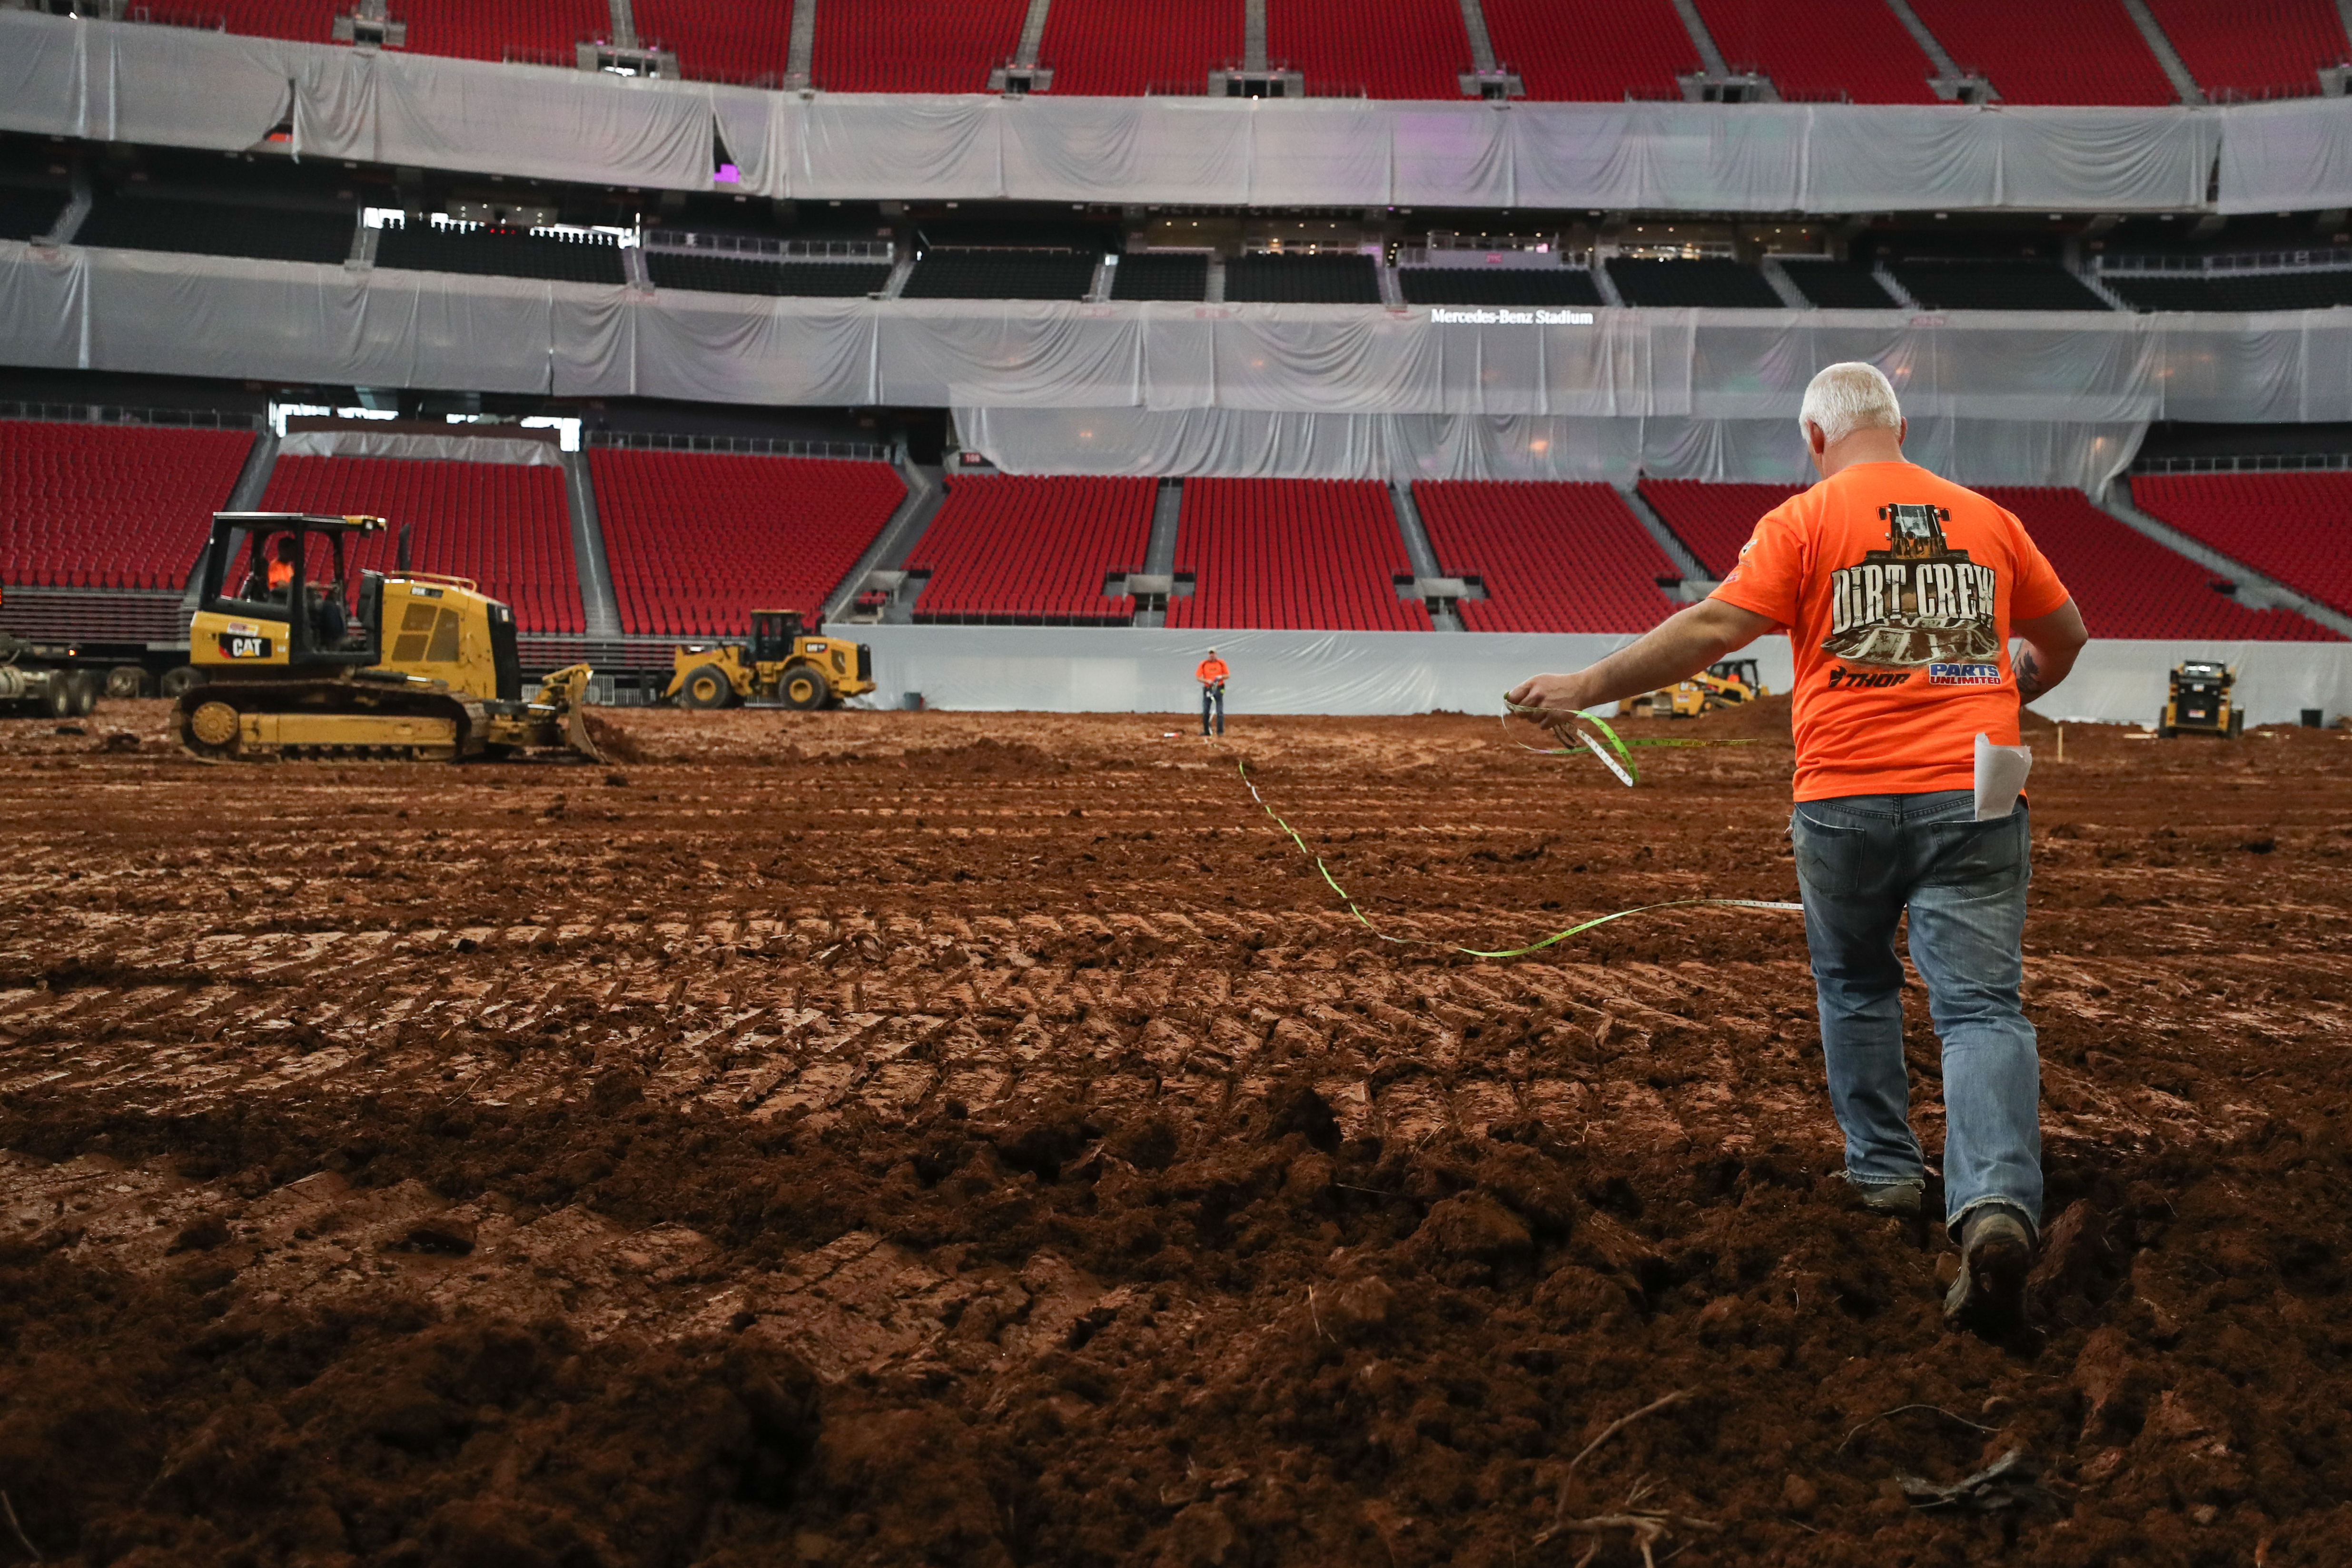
899, 1138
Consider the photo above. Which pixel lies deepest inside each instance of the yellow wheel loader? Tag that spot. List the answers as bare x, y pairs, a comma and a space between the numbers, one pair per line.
785, 662
412, 664
1727, 684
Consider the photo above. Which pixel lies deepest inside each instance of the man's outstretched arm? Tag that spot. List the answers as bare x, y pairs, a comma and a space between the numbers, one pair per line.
1683, 645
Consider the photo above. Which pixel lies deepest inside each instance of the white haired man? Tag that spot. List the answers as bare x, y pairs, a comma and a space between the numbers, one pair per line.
1900, 591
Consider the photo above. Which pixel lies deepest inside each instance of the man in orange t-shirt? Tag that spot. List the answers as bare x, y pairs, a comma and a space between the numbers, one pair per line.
1900, 591
1211, 675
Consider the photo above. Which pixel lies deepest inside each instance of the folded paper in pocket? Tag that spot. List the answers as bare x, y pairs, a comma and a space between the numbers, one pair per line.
2001, 774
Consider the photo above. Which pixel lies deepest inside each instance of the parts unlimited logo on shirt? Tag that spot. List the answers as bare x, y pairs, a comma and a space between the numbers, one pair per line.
1964, 674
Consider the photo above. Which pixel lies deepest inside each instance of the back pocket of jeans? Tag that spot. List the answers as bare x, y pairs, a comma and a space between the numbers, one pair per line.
1975, 852
1831, 856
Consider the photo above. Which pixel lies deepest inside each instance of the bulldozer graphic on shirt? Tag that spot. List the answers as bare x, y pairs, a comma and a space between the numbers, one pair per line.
1919, 602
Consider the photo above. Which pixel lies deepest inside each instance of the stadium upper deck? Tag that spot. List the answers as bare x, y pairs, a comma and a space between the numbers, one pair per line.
1859, 51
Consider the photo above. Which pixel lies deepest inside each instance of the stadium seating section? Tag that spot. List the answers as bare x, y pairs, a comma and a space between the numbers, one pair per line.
1021, 551
1834, 285
1148, 276
210, 228
1405, 49
2233, 52
1822, 50
2127, 585
1498, 285
1552, 558
505, 525
2297, 527
697, 542
912, 46
1563, 49
2236, 291
749, 43
1994, 286
28, 214
2050, 51
502, 253
1304, 279
1713, 520
109, 506
949, 274
1593, 50
1310, 554
1726, 285
540, 30
1125, 49
748, 274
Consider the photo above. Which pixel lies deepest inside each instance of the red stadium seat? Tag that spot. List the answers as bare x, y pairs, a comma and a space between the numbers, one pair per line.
913, 46
2050, 51
1128, 48
1033, 550
1311, 554
504, 524
1406, 49
110, 506
2295, 527
1593, 50
1822, 49
2275, 50
697, 541
1553, 558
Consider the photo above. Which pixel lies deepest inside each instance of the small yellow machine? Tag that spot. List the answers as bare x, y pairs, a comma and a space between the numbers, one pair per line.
2197, 701
1727, 684
426, 667
785, 662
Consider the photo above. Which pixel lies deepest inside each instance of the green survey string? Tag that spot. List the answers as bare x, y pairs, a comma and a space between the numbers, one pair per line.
1624, 771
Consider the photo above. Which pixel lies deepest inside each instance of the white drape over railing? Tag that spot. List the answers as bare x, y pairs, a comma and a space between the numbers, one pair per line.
171, 86
2050, 397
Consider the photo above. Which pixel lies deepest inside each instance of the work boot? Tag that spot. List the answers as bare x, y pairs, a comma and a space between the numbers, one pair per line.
1988, 1296
1898, 1200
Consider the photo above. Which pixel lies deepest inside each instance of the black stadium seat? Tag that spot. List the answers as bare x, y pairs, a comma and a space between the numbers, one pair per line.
1304, 279
1724, 284
1834, 285
754, 275
1978, 285
2236, 291
503, 253
946, 273
28, 214
1498, 285
1173, 277
210, 228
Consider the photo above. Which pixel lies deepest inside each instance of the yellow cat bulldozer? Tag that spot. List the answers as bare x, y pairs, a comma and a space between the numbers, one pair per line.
1727, 684
786, 663
415, 664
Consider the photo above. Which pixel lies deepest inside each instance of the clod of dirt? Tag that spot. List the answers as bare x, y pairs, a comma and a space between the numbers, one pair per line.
446, 1233
69, 729
616, 780
119, 740
1202, 1536
1799, 1496
202, 1236
1356, 1308
1473, 1225
1295, 1107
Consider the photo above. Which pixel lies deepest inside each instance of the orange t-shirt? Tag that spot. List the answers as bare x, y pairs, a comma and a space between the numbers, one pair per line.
1212, 673
1897, 589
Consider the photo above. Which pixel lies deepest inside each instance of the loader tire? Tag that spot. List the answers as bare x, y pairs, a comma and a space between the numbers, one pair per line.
804, 687
706, 687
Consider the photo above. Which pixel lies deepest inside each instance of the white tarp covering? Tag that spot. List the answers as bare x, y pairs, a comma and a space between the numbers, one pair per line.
1252, 443
451, 448
174, 86
192, 315
1137, 670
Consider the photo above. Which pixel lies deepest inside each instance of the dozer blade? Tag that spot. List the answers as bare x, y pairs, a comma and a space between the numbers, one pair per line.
566, 691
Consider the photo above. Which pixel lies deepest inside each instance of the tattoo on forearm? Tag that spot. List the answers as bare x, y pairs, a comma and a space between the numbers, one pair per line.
2030, 683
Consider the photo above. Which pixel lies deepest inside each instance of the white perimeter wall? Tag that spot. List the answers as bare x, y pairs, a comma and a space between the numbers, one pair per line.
1123, 670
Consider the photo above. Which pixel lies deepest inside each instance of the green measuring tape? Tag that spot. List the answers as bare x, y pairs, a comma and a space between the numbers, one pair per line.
1621, 764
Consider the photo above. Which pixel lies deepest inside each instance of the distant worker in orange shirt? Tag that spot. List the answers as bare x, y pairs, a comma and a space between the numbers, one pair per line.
1212, 675
1921, 616
281, 569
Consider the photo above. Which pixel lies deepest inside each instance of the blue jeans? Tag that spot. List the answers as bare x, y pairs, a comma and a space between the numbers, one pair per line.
1862, 860
1212, 700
